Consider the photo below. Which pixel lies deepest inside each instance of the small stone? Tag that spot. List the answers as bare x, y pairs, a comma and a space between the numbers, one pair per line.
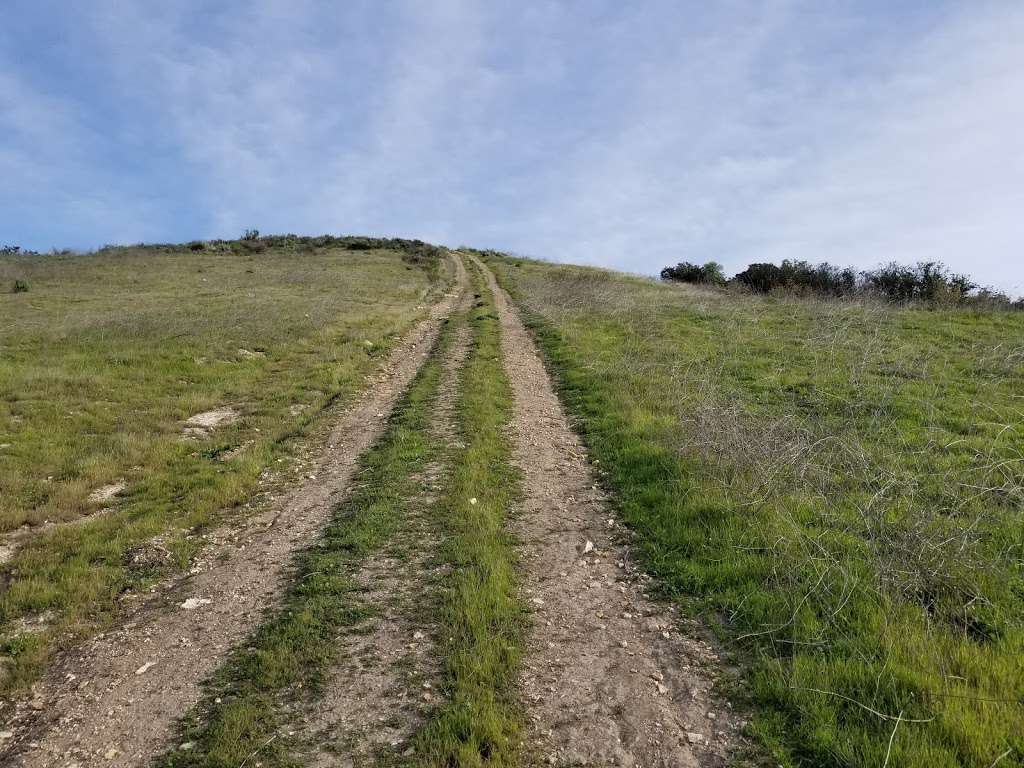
187, 746
195, 602
145, 668
585, 547
5, 735
695, 738
417, 635
111, 753
662, 688
473, 501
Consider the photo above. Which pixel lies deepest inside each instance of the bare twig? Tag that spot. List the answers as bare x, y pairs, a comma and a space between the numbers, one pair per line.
892, 737
862, 706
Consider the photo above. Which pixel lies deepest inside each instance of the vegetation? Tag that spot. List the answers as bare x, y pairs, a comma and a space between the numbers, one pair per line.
926, 282
837, 488
801, 276
107, 356
712, 273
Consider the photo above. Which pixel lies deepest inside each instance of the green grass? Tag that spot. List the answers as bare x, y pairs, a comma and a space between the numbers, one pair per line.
289, 655
107, 353
479, 724
835, 487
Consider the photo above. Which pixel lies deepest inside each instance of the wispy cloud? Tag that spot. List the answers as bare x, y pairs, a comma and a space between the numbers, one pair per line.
631, 135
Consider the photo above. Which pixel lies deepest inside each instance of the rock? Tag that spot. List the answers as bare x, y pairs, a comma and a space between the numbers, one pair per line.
473, 500
695, 738
662, 688
187, 746
585, 547
195, 602
111, 753
145, 668
417, 635
5, 735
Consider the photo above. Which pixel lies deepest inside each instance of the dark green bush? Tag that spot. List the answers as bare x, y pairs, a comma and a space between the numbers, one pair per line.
685, 272
20, 286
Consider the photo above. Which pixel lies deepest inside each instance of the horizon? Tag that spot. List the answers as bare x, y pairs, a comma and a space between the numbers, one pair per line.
629, 138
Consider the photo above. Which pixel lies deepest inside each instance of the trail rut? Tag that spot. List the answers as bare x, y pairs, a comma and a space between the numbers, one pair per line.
609, 678
387, 675
114, 701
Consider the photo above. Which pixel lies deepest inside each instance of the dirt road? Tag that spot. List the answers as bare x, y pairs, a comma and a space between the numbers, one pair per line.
610, 677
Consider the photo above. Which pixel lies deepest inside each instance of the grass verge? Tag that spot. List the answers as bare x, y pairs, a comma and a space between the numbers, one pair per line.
836, 487
290, 654
481, 617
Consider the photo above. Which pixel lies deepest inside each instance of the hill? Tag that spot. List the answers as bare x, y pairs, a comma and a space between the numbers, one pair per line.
349, 501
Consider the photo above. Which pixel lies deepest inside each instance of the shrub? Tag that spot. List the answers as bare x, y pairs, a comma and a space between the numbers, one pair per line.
10, 250
799, 277
685, 272
251, 234
928, 281
760, 278
20, 286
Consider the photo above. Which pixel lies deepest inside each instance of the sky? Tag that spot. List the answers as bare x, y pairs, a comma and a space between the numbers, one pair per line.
627, 135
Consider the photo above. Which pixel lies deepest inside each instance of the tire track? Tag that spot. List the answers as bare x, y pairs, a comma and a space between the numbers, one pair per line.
386, 677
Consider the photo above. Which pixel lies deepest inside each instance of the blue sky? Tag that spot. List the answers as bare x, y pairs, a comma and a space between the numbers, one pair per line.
630, 135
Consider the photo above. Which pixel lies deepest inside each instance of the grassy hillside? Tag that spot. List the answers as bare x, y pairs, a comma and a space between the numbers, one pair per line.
105, 356
837, 488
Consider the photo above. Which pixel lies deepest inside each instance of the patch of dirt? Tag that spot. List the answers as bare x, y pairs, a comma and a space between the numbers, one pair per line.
203, 424
107, 492
611, 677
115, 699
386, 679
7, 552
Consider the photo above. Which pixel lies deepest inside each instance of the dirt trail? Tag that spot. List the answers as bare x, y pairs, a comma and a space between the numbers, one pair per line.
114, 702
387, 675
609, 677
